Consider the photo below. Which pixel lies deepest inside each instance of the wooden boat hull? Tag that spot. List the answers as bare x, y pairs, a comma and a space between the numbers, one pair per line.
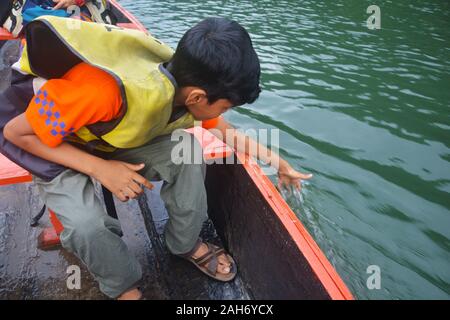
277, 257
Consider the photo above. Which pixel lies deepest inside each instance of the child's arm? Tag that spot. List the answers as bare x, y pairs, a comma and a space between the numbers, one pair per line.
287, 175
119, 177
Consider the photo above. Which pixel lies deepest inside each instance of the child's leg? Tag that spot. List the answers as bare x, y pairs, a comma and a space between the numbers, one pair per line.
90, 233
183, 192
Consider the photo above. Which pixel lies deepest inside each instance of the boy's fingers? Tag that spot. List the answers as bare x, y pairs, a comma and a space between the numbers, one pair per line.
306, 176
136, 188
120, 196
130, 193
302, 176
148, 185
140, 179
284, 184
134, 167
58, 5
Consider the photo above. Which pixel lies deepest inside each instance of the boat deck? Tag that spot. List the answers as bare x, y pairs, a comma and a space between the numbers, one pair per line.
29, 273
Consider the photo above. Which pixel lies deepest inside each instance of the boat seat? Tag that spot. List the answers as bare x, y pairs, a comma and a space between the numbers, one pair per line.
11, 173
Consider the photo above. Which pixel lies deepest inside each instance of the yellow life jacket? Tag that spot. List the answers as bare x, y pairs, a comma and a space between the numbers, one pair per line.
133, 58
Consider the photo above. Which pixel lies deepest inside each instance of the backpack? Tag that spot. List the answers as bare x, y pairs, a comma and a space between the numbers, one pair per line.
5, 9
99, 10
13, 21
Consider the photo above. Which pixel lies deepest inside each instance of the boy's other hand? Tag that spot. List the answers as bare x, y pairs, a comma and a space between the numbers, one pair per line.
63, 4
287, 177
122, 179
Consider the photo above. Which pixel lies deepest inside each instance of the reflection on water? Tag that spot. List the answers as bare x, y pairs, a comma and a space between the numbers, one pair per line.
367, 112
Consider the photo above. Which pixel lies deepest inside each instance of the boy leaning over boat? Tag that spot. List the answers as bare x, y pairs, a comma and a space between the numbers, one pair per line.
104, 108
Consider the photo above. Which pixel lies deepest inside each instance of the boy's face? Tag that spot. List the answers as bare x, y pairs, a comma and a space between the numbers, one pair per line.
198, 105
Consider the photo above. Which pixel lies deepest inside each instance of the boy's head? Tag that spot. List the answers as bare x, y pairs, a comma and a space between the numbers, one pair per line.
216, 68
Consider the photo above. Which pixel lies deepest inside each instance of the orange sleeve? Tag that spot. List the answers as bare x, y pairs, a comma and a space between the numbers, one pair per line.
211, 123
83, 96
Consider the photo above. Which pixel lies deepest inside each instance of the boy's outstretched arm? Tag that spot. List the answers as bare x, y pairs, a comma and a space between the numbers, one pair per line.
120, 178
286, 174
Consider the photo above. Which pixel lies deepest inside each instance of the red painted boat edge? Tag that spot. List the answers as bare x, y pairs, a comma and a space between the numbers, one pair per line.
11, 173
129, 16
5, 35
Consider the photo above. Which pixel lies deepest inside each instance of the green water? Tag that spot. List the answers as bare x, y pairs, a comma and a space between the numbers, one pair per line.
366, 111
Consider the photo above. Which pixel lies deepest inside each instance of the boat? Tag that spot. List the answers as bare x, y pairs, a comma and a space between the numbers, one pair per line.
276, 256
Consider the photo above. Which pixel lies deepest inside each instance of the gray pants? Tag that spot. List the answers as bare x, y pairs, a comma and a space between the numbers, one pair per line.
94, 237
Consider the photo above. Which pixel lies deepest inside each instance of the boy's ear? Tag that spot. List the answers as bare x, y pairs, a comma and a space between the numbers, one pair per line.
196, 96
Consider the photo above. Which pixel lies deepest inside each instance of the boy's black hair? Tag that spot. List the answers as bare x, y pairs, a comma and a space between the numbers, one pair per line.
217, 55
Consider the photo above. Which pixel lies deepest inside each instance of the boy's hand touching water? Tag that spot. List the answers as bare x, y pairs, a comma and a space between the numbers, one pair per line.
287, 177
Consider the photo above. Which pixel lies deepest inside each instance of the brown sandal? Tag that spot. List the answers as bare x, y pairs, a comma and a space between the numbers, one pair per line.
209, 262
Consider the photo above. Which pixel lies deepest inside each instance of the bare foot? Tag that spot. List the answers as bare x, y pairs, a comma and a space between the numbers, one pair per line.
134, 294
224, 266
